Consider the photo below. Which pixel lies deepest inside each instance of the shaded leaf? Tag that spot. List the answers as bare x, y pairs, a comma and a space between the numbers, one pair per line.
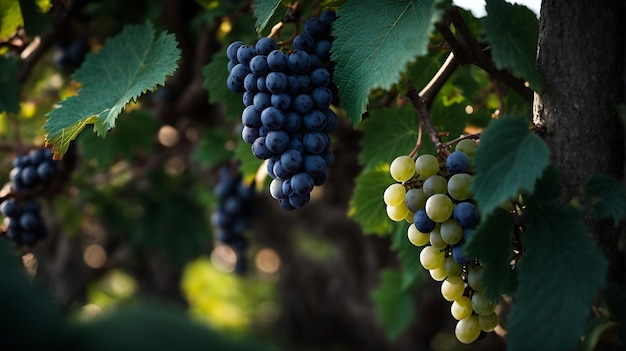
394, 305
211, 149
409, 255
9, 85
607, 197
366, 205
10, 18
263, 11
215, 74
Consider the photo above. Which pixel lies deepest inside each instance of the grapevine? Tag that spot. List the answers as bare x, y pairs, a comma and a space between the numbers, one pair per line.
287, 116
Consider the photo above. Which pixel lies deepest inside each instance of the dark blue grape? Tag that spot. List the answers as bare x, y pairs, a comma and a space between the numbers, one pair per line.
296, 144
299, 62
260, 84
458, 255
263, 131
247, 98
234, 86
293, 122
39, 155
457, 162
322, 50
331, 121
280, 172
258, 65
315, 28
231, 51
287, 190
276, 189
303, 104
314, 165
249, 83
270, 166
281, 101
265, 45
286, 205
304, 82
321, 179
298, 201
276, 82
29, 176
291, 159
239, 73
328, 157
272, 118
314, 142
10, 209
28, 221
245, 53
277, 61
466, 214
277, 141
251, 117
249, 135
422, 222
315, 62
231, 65
46, 171
320, 77
314, 121
301, 183
262, 101
327, 17
304, 42
260, 150
293, 85
322, 97
20, 161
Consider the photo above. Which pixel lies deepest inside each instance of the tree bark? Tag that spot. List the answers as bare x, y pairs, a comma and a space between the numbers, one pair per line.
581, 57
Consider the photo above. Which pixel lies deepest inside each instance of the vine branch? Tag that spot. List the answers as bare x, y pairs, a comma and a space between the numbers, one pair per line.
424, 116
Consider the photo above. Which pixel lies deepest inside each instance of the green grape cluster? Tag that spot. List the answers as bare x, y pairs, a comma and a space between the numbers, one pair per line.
436, 198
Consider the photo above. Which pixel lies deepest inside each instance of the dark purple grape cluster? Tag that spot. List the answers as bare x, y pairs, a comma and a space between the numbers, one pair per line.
235, 212
287, 117
33, 171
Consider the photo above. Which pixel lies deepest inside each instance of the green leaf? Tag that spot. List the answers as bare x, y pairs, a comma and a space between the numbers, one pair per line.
512, 31
409, 255
9, 85
36, 21
394, 305
560, 275
366, 205
127, 66
211, 149
492, 244
607, 197
374, 42
249, 165
215, 74
134, 133
10, 18
263, 11
509, 158
388, 133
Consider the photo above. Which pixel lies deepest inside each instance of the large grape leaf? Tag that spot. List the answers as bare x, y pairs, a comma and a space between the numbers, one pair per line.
560, 275
9, 85
215, 74
492, 244
263, 11
375, 40
388, 133
509, 158
394, 305
408, 254
512, 31
128, 65
366, 205
607, 196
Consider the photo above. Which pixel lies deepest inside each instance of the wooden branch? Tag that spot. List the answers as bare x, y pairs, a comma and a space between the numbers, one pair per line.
444, 73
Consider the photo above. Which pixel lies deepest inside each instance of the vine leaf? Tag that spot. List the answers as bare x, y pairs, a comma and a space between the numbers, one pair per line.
248, 163
560, 274
9, 85
512, 31
263, 11
492, 244
388, 133
394, 306
215, 75
10, 18
366, 205
211, 148
607, 196
397, 32
130, 64
509, 158
408, 254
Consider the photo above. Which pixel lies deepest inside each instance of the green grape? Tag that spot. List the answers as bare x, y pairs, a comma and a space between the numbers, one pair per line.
488, 322
415, 199
435, 239
410, 217
438, 274
467, 330
452, 267
475, 278
468, 146
397, 213
482, 305
426, 166
461, 308
435, 185
394, 194
431, 258
439, 208
402, 168
459, 186
451, 231
452, 288
416, 237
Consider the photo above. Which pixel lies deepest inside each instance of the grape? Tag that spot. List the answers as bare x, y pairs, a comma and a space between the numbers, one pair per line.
322, 97
426, 166
394, 195
314, 142
314, 121
422, 222
276, 189
276, 82
438, 274
264, 46
299, 61
260, 150
461, 308
451, 232
431, 258
435, 239
481, 304
459, 186
291, 160
466, 214
320, 77
322, 49
303, 104
251, 117
435, 185
250, 83
249, 135
304, 42
262, 101
474, 278
301, 183
467, 146
415, 199
452, 288
276, 141
281, 101
488, 322
457, 162
245, 53
402, 168
458, 255
315, 165
439, 208
327, 17
11, 209
29, 176
452, 267
315, 28
258, 65
272, 118
397, 213
298, 201
467, 330
28, 221
231, 51
416, 237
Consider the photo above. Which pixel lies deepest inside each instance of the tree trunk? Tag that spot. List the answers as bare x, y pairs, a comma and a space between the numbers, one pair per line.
581, 57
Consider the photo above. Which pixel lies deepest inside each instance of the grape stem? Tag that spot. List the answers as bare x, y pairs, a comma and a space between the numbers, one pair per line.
462, 137
424, 116
418, 144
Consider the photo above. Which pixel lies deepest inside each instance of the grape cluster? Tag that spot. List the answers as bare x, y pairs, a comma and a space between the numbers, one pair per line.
287, 117
33, 171
437, 200
234, 213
